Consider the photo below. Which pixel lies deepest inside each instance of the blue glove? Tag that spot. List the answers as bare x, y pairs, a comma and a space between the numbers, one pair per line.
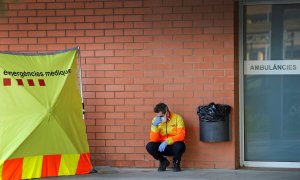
162, 146
157, 121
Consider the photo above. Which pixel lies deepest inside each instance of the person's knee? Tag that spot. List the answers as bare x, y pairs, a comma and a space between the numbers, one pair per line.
179, 146
150, 146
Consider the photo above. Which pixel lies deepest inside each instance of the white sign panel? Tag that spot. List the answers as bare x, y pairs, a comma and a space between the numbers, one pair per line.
272, 67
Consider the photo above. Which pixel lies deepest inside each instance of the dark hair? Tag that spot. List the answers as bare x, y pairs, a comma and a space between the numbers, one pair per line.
161, 107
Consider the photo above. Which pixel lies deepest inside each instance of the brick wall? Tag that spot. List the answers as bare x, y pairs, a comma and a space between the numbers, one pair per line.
135, 54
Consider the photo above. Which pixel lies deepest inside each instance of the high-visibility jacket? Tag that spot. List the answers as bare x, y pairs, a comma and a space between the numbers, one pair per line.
172, 130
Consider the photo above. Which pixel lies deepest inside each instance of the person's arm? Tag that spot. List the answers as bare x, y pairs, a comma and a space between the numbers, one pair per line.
154, 133
180, 132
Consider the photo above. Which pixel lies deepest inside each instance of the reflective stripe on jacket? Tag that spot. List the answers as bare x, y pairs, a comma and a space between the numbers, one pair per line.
173, 130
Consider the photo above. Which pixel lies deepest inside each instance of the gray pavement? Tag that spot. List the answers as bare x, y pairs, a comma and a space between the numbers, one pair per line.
199, 174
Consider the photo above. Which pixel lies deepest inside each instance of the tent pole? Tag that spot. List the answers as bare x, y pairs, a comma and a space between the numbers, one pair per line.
80, 77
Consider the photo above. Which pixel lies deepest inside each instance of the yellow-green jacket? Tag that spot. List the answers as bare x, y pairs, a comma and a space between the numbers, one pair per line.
172, 130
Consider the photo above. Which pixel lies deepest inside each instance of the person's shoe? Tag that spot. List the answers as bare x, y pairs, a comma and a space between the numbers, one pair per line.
176, 166
163, 164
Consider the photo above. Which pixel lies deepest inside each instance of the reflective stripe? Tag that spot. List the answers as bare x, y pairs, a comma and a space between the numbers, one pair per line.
84, 164
45, 166
32, 167
50, 165
1, 167
12, 169
68, 164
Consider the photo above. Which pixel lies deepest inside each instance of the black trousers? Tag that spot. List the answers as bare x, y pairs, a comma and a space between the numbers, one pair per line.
176, 150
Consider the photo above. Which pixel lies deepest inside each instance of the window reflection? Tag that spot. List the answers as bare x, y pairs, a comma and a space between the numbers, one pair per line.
258, 32
292, 34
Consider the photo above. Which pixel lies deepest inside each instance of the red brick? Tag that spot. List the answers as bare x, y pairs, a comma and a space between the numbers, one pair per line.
143, 24
85, 26
104, 53
112, 4
94, 87
18, 48
115, 115
37, 47
27, 40
124, 150
17, 20
95, 47
123, 52
124, 108
134, 156
95, 128
133, 45
134, 32
135, 142
103, 108
94, 18
162, 24
36, 5
97, 5
115, 156
55, 5
123, 25
65, 26
84, 12
142, 10
114, 74
105, 94
174, 31
124, 163
145, 53
123, 11
15, 34
114, 46
65, 12
103, 39
152, 31
103, 11
75, 19
17, 6
8, 41
123, 67
123, 38
59, 33
114, 101
129, 136
27, 27
133, 3
106, 149
113, 32
75, 33
152, 3
114, 18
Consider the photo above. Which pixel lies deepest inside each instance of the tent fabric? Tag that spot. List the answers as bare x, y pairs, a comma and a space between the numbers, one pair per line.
42, 131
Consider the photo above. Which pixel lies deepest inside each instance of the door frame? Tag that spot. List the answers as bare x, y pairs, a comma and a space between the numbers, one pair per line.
243, 163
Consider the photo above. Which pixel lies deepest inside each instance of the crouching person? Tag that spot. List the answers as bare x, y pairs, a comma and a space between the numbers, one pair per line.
166, 137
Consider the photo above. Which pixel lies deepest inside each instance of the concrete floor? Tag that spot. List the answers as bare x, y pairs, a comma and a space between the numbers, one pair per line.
199, 174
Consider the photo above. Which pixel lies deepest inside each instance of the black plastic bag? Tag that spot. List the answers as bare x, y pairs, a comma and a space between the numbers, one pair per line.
213, 112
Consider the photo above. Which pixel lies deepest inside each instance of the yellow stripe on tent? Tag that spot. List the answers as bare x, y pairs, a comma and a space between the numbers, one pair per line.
68, 164
1, 167
32, 167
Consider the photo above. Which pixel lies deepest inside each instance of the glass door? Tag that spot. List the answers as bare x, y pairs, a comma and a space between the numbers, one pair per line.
271, 50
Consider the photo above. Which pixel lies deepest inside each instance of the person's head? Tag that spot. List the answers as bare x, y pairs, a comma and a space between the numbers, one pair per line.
162, 110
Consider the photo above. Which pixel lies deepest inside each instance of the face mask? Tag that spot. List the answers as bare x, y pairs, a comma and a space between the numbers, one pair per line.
164, 119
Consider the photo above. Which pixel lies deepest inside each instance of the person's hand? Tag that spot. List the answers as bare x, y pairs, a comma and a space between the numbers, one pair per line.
157, 121
162, 146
